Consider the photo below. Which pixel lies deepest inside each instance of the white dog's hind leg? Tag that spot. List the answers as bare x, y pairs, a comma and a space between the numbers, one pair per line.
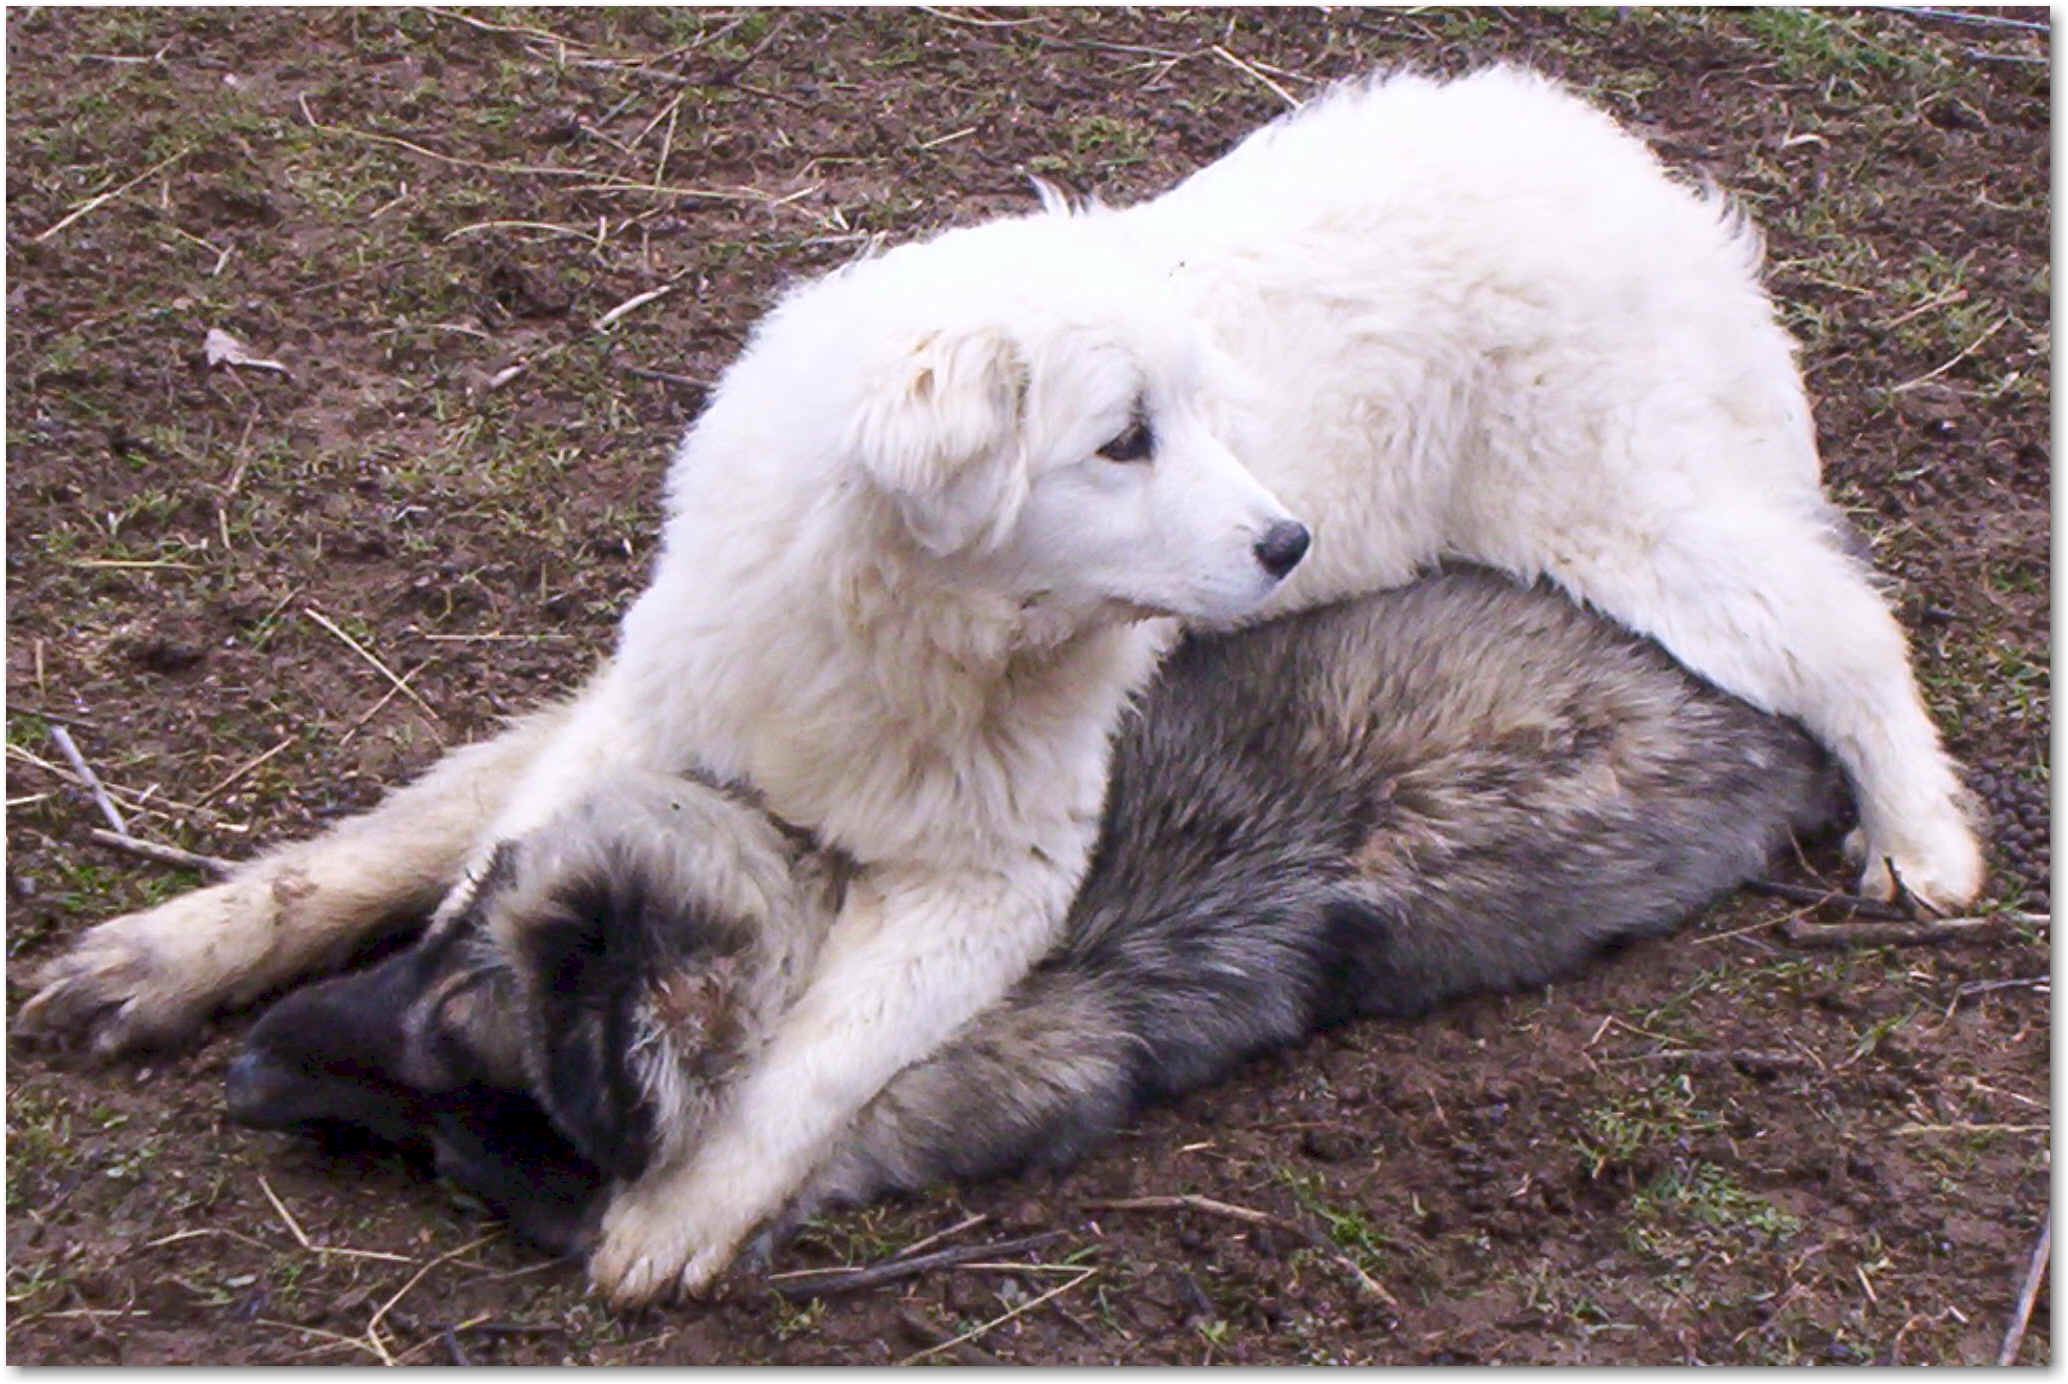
150, 977
1765, 606
903, 968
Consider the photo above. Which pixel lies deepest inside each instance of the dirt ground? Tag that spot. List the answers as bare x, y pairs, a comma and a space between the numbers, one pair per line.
1727, 1148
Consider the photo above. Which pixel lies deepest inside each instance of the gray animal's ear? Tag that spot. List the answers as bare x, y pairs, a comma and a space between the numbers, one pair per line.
940, 434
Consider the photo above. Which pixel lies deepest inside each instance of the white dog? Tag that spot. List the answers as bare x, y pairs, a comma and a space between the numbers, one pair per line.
920, 542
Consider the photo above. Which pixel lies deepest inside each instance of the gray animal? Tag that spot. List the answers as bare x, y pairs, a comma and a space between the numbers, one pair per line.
1368, 809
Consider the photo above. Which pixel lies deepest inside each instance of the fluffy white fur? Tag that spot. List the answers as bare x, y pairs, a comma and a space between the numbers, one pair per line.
903, 595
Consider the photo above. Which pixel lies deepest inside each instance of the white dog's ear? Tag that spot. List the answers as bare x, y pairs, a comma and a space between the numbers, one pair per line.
940, 434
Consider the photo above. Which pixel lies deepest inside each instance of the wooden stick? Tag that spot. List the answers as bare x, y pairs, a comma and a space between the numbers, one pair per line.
165, 855
1249, 69
373, 1326
1191, 1202
1908, 934
966, 1223
90, 203
1960, 17
1967, 351
999, 1320
1745, 1059
487, 28
1796, 893
130, 798
47, 714
2034, 1272
240, 773
686, 381
602, 181
637, 300
386, 672
1208, 1206
92, 780
890, 1271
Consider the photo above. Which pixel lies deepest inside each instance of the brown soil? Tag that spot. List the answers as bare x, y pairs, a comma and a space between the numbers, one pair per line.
1558, 1176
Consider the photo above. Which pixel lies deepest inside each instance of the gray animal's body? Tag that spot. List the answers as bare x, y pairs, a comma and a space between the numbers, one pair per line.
1368, 809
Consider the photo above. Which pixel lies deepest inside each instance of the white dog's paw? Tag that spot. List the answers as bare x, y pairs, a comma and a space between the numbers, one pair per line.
1943, 869
126, 984
1855, 847
652, 1249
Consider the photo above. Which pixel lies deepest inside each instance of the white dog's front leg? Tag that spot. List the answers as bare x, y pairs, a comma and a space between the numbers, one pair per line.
909, 960
150, 977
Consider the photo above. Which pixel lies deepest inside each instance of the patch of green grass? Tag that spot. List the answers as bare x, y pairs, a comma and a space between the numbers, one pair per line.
860, 1236
1877, 1032
1705, 1196
1832, 49
39, 1137
1348, 1226
1653, 1119
790, 1318
1107, 142
1790, 978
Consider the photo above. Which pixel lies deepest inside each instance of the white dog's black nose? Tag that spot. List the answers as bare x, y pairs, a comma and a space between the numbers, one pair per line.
1282, 547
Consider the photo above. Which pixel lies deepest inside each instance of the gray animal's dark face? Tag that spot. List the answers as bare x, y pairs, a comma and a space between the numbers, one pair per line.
422, 1050
578, 1019
360, 1048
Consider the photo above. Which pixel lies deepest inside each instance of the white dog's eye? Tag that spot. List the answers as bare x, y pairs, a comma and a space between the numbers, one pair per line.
1133, 445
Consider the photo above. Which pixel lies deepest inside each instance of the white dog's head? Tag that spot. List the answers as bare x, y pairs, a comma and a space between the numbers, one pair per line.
1038, 415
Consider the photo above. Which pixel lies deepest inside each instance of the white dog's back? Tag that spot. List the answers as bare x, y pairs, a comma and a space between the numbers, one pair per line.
1459, 277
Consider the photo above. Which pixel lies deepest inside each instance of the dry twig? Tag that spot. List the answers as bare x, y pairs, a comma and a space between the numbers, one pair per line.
2034, 1272
966, 1223
999, 1320
827, 1282
110, 195
333, 1337
165, 855
23, 708
1746, 1060
1909, 934
487, 28
1965, 352
356, 647
686, 381
1208, 1206
87, 776
1796, 893
301, 1237
247, 768
637, 300
605, 182
1250, 69
127, 797
373, 1325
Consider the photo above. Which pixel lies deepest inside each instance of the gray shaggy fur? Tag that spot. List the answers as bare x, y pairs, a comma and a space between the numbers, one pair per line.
1369, 809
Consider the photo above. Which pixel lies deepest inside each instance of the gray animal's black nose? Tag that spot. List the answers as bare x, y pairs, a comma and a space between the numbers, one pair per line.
1282, 547
260, 1092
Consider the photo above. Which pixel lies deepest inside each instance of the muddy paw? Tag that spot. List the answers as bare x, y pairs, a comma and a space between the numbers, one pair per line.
651, 1250
1944, 875
112, 993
